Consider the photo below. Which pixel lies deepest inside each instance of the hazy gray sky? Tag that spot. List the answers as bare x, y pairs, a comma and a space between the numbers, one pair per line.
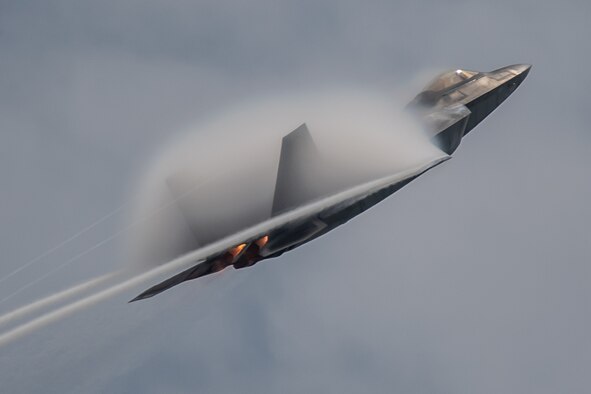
474, 278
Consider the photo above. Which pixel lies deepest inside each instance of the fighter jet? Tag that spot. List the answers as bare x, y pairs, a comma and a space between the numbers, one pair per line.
304, 209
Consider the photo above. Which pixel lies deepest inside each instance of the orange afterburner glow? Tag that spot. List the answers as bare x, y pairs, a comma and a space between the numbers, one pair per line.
235, 251
262, 241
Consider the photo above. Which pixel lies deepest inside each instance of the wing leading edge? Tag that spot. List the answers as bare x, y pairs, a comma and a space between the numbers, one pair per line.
280, 232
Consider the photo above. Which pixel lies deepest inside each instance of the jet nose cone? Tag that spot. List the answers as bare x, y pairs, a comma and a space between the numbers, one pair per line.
521, 70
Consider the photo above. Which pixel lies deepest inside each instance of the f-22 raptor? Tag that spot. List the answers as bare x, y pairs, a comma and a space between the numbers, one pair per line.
448, 108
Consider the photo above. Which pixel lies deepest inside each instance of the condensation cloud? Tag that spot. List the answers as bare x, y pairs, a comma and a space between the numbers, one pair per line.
219, 177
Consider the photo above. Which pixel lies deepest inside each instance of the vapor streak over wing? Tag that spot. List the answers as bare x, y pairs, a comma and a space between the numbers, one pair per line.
54, 298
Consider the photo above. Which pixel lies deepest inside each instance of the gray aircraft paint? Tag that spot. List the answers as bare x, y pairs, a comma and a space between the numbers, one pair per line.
452, 105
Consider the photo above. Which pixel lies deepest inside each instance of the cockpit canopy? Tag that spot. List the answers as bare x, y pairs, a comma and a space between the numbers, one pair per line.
448, 79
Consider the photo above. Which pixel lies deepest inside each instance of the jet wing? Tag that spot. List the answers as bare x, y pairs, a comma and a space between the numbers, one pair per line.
203, 268
303, 221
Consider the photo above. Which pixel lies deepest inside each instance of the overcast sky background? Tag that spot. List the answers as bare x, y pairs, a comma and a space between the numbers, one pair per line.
474, 278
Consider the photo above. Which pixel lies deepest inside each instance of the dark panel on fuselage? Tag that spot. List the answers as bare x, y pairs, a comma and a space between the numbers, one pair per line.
484, 105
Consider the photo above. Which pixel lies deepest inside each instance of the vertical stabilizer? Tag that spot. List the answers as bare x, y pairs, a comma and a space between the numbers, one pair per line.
298, 180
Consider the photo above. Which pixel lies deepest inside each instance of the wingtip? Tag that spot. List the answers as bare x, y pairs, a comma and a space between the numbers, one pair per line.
140, 297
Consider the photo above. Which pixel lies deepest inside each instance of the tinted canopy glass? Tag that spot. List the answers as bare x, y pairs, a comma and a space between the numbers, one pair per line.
450, 78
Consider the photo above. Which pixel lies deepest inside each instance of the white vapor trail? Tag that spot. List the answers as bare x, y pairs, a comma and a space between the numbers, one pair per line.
54, 299
95, 246
62, 244
92, 299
